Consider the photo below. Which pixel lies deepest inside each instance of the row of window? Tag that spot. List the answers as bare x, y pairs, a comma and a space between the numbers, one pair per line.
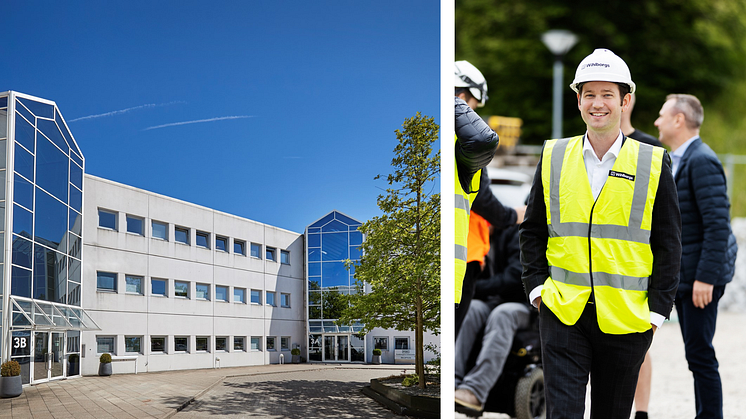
382, 343
108, 282
185, 344
159, 230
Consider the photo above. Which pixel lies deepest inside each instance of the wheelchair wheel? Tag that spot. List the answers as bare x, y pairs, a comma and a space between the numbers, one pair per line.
529, 396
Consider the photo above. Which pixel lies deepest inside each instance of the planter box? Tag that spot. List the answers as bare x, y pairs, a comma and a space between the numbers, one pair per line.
11, 386
104, 369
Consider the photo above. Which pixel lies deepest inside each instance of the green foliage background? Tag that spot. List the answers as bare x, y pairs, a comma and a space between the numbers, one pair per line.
671, 46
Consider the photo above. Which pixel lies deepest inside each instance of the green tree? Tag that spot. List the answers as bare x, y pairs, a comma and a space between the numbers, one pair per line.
401, 250
671, 46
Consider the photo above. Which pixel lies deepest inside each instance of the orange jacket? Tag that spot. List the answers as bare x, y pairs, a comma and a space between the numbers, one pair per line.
478, 243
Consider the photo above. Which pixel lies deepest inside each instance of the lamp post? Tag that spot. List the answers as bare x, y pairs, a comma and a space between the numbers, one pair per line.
559, 42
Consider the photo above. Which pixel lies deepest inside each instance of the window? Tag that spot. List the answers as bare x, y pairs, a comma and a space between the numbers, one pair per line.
256, 250
239, 343
203, 239
133, 284
239, 247
203, 291
106, 281
181, 235
221, 344
181, 343
270, 296
270, 343
285, 300
158, 287
256, 297
160, 230
239, 295
401, 343
285, 257
221, 293
158, 344
107, 219
201, 344
221, 243
381, 343
256, 343
270, 254
105, 344
181, 289
135, 225
285, 343
132, 344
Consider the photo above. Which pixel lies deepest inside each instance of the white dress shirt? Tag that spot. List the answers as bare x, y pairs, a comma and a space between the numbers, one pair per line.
598, 171
679, 153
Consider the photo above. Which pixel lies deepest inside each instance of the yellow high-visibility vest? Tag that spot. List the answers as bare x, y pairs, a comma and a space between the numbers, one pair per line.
463, 202
600, 246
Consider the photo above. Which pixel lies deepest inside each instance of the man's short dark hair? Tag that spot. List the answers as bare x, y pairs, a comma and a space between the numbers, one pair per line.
624, 90
460, 90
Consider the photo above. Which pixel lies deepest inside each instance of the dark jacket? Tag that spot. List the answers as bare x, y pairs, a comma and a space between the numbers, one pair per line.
476, 144
501, 279
665, 240
490, 208
708, 244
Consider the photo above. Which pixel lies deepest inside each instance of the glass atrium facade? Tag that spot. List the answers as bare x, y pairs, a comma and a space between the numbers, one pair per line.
331, 241
41, 204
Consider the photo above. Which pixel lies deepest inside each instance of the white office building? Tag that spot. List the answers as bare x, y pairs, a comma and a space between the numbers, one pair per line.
91, 266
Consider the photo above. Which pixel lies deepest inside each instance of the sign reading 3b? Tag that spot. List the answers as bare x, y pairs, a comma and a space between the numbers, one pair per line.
21, 344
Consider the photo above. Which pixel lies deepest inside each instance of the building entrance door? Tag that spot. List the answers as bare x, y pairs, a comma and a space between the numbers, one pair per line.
48, 357
336, 348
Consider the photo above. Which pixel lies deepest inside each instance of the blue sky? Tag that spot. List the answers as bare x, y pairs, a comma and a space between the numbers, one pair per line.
275, 111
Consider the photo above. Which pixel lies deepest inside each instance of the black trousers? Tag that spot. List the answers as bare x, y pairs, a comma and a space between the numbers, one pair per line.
698, 329
571, 353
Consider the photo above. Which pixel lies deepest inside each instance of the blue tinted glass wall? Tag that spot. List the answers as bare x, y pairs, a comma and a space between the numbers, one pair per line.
47, 169
331, 241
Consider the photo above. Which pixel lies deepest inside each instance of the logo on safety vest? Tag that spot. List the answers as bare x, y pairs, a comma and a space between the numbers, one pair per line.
621, 175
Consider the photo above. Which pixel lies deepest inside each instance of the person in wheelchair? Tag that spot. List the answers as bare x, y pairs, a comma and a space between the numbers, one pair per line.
500, 308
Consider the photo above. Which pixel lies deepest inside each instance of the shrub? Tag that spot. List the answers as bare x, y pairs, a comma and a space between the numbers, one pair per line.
376, 352
105, 358
10, 369
410, 380
295, 351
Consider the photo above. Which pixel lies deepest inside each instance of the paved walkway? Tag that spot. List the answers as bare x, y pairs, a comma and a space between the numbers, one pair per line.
320, 389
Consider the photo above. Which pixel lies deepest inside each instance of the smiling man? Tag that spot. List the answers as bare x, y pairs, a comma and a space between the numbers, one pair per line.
600, 248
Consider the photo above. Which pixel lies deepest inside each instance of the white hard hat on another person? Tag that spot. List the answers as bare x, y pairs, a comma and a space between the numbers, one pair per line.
468, 76
602, 65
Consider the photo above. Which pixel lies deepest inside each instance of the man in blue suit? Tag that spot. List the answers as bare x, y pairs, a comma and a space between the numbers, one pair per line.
708, 245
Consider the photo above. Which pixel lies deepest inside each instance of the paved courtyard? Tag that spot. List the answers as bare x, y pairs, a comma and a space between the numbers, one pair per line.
269, 391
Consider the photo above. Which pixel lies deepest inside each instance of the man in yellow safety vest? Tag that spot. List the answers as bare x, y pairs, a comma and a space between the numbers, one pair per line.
600, 248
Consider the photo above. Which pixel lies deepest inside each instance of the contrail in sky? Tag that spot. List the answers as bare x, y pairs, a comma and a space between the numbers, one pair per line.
134, 108
221, 118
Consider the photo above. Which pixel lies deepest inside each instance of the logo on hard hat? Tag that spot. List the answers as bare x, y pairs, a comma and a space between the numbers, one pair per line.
595, 65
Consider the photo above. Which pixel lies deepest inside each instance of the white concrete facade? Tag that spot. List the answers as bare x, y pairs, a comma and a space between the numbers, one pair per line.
126, 313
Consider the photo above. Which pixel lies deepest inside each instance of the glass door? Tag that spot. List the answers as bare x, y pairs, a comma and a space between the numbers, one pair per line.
56, 354
48, 355
343, 348
329, 345
41, 358
336, 348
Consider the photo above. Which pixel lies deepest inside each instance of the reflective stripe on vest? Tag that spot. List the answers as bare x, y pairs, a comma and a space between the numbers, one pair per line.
600, 246
463, 202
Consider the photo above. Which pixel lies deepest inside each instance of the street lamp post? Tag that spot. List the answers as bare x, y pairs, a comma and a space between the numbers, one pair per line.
559, 42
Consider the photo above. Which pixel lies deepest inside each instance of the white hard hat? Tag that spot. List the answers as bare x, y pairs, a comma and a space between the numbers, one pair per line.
470, 77
603, 65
